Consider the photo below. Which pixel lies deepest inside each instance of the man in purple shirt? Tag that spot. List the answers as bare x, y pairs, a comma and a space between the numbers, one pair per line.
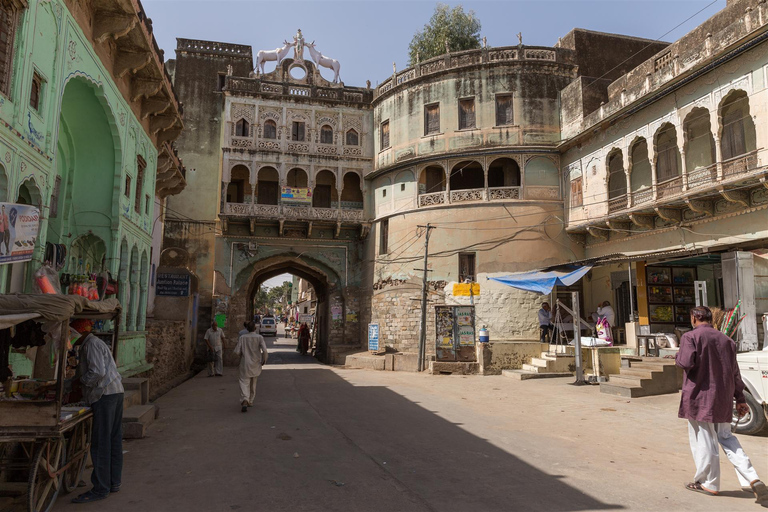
712, 381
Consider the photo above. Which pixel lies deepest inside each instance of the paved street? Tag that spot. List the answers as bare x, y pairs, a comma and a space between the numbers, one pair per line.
321, 438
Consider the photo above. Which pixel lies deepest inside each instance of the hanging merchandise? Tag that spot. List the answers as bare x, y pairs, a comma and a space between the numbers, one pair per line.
47, 280
603, 329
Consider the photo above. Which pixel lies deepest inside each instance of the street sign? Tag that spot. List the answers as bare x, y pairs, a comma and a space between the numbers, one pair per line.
373, 337
172, 285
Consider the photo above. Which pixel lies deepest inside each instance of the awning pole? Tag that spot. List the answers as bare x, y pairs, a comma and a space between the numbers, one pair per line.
631, 301
577, 340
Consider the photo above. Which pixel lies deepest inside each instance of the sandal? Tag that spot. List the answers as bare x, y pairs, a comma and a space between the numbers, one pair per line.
88, 497
696, 487
760, 490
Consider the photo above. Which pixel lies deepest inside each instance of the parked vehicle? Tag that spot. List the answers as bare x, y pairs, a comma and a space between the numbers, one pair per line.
754, 373
268, 327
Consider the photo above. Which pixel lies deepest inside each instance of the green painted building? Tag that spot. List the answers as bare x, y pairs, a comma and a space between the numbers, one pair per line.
87, 116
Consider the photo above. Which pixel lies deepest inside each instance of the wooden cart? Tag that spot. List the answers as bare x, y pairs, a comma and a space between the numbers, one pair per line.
44, 448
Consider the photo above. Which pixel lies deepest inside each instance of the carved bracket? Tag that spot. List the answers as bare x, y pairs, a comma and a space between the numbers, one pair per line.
616, 225
131, 61
669, 214
281, 227
309, 229
144, 87
114, 24
764, 181
701, 206
161, 122
224, 224
365, 228
598, 233
642, 221
736, 196
252, 226
338, 230
154, 105
169, 135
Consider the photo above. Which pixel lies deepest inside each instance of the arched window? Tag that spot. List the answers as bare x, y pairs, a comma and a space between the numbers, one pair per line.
270, 129
242, 128
617, 179
738, 129
326, 134
667, 155
640, 177
352, 138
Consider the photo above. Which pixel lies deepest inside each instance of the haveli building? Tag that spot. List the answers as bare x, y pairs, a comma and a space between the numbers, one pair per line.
88, 117
603, 149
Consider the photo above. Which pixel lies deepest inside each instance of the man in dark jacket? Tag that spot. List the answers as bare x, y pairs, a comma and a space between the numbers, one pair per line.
712, 381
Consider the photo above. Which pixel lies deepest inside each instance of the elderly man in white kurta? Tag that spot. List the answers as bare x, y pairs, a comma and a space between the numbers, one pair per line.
252, 350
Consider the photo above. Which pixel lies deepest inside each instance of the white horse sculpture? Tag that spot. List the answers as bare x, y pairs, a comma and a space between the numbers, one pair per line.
277, 54
322, 60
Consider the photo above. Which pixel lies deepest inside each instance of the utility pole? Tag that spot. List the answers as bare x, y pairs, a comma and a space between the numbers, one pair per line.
423, 329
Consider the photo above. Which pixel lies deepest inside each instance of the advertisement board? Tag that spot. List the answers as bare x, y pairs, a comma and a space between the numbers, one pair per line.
373, 337
296, 196
19, 226
172, 285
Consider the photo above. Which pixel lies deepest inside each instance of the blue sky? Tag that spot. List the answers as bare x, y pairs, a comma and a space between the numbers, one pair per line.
366, 36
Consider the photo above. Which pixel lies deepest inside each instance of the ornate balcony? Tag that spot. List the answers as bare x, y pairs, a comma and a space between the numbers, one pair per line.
702, 177
488, 195
474, 194
740, 164
432, 199
617, 203
670, 188
286, 212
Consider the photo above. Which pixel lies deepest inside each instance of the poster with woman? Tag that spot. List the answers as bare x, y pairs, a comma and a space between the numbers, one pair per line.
19, 226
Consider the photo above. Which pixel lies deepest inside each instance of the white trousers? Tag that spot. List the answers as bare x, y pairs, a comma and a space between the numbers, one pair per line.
247, 389
216, 367
706, 439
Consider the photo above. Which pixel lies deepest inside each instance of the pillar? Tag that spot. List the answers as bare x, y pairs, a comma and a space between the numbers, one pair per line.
684, 170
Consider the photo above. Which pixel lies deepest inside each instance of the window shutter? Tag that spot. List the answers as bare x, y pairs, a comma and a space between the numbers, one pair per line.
432, 120
466, 114
504, 114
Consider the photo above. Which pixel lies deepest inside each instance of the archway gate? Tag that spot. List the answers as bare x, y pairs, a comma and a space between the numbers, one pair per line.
331, 267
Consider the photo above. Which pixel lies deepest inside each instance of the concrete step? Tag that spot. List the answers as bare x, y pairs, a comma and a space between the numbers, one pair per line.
132, 397
628, 380
526, 375
136, 419
651, 366
640, 372
621, 390
140, 385
557, 364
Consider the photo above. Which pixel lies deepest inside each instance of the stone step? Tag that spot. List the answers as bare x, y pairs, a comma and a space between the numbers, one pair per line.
640, 372
552, 364
628, 380
139, 384
132, 397
136, 419
652, 366
526, 375
622, 390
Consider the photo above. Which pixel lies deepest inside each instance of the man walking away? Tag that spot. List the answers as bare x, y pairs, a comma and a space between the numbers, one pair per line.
712, 381
103, 392
545, 323
252, 350
214, 338
244, 330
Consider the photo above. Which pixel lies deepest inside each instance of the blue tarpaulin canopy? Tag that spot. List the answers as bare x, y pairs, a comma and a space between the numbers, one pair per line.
541, 281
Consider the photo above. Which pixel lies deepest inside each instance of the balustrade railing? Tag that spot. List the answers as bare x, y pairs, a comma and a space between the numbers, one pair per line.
473, 194
642, 196
669, 188
702, 176
281, 211
432, 199
740, 164
617, 203
502, 193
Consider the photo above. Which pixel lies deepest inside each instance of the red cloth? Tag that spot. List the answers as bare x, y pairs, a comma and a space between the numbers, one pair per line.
712, 378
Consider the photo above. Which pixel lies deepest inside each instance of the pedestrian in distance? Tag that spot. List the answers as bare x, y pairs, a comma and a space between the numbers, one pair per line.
304, 336
103, 392
252, 350
711, 383
545, 323
214, 338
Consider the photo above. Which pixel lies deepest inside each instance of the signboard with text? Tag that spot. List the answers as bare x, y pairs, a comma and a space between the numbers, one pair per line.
172, 285
296, 196
373, 337
19, 226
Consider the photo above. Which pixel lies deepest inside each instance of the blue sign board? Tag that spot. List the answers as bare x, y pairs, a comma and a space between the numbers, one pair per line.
373, 337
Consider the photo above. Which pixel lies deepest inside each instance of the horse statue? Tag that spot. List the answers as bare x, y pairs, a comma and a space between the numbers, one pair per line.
277, 54
322, 60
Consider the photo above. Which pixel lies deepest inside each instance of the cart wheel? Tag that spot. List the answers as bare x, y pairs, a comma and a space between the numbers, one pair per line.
43, 489
78, 443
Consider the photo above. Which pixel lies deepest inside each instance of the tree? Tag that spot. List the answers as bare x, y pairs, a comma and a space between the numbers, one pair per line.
460, 29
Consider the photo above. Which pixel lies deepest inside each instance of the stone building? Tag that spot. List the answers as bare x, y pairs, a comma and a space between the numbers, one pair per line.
287, 153
88, 116
670, 171
602, 149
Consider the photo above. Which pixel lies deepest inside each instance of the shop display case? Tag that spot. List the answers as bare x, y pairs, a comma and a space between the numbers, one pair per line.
671, 294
